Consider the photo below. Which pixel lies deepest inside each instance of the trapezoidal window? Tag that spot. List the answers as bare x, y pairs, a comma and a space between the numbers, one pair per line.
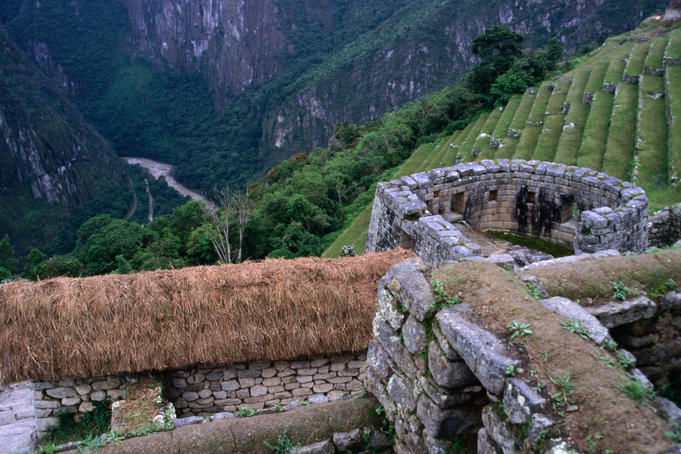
406, 242
531, 197
459, 202
492, 195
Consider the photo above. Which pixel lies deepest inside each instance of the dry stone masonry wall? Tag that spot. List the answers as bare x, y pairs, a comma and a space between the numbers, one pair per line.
664, 228
73, 395
527, 197
438, 373
203, 391
258, 385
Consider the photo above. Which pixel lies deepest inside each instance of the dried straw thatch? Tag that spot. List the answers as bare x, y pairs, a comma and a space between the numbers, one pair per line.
271, 310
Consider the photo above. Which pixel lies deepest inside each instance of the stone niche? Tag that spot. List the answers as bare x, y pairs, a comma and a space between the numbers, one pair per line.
575, 207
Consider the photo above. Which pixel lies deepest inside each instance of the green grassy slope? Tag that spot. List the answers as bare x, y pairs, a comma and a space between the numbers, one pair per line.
632, 132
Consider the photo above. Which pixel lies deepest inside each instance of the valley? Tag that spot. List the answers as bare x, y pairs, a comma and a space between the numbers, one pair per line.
162, 170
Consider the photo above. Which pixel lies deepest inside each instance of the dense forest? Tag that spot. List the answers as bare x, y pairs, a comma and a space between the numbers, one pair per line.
302, 203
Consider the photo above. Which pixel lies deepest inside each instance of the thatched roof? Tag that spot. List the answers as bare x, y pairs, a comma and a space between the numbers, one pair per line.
270, 310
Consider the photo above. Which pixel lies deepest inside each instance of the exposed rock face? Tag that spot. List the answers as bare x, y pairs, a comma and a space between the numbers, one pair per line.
45, 145
236, 41
673, 12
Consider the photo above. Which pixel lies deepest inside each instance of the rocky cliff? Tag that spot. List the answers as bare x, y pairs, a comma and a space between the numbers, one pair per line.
296, 66
45, 145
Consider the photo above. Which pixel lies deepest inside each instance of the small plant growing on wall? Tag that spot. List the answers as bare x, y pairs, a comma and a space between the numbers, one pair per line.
442, 298
620, 291
520, 333
576, 327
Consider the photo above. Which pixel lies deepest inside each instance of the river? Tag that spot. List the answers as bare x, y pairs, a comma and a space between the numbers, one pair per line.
161, 169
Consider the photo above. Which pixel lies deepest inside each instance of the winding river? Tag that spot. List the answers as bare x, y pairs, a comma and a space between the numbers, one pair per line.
161, 169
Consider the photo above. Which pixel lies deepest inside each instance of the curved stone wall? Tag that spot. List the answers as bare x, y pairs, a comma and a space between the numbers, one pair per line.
577, 207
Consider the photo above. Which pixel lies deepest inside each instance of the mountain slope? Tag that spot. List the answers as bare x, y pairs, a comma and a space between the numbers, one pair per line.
47, 145
280, 72
618, 112
50, 156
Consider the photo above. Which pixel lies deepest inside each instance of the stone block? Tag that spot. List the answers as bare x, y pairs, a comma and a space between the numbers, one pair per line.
61, 392
69, 401
323, 388
498, 430
322, 447
401, 392
258, 390
484, 354
520, 401
572, 311
231, 385
98, 396
617, 313
448, 374
413, 290
181, 422
348, 441
485, 444
414, 336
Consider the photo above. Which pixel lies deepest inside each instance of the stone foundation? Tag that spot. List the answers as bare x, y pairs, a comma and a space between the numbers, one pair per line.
205, 391
575, 207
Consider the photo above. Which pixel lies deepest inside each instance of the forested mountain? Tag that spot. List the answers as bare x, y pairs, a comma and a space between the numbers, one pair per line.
224, 89
49, 155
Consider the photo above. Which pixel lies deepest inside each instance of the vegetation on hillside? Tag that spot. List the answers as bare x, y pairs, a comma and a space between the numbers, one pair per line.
303, 201
592, 116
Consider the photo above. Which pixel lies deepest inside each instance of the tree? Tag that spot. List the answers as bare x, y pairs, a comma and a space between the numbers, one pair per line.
232, 206
7, 260
499, 47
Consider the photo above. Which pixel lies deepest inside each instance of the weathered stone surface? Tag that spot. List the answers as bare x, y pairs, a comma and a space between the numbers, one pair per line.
617, 313
572, 311
439, 423
323, 447
668, 410
520, 401
498, 431
484, 354
538, 424
181, 422
347, 441
413, 290
447, 398
61, 392
671, 301
485, 444
414, 336
448, 374
400, 392
190, 396
378, 361
447, 349
389, 308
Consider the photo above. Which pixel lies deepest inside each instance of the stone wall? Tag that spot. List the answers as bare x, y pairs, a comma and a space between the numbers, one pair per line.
73, 395
205, 391
438, 373
258, 385
648, 329
664, 228
17, 424
527, 197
